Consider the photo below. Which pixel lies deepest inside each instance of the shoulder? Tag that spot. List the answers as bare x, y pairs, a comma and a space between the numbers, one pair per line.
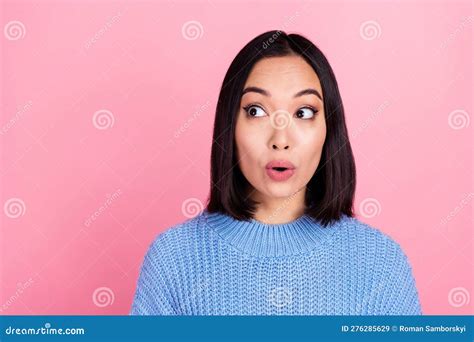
175, 237
372, 239
389, 268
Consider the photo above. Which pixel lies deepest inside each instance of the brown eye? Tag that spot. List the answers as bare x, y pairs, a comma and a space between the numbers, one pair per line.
254, 111
305, 113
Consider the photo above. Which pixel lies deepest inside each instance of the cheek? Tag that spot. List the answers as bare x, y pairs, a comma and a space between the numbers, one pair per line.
248, 136
313, 147
314, 135
250, 149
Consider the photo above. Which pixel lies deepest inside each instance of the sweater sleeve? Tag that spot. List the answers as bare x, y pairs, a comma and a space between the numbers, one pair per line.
395, 291
152, 297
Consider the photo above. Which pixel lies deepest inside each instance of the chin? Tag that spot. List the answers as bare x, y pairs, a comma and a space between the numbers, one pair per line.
281, 190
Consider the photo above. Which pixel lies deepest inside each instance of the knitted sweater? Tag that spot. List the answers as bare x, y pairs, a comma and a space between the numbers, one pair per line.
213, 264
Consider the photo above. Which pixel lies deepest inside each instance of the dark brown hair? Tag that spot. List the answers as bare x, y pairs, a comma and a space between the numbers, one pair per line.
330, 192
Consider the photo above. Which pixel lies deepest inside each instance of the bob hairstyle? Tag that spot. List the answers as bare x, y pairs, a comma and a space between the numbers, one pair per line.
330, 191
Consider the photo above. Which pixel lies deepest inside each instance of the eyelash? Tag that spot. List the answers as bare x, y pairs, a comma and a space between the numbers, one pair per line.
246, 108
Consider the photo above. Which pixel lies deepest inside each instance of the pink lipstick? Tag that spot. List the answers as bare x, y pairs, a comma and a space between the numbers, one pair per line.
280, 170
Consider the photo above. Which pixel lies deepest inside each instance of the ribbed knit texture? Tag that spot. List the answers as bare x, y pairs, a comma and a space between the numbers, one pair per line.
214, 264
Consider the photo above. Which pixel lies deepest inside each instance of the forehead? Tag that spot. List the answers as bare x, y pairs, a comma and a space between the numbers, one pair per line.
282, 74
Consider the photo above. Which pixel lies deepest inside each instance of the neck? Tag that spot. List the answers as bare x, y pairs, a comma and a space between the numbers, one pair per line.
263, 239
277, 210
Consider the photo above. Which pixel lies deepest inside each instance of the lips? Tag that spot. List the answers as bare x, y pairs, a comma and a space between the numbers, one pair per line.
280, 170
280, 165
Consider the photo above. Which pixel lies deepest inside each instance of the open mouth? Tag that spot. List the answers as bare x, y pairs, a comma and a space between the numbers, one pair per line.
279, 173
280, 169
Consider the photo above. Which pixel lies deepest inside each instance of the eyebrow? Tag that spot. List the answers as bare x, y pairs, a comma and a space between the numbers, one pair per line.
309, 91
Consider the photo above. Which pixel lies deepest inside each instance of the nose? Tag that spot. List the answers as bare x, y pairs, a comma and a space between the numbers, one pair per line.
276, 147
280, 139
280, 123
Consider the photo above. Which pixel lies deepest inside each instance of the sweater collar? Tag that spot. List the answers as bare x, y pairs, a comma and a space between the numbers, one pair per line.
272, 240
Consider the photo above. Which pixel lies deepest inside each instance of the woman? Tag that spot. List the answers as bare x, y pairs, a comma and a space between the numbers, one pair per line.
278, 235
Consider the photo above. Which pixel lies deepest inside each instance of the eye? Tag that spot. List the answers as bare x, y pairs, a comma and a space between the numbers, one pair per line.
306, 111
253, 110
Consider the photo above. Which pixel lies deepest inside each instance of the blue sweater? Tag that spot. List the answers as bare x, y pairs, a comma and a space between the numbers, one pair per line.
213, 264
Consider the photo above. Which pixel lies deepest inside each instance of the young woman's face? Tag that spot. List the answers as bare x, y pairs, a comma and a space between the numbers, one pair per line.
277, 122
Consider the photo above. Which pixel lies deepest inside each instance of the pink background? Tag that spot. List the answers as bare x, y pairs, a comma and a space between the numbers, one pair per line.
405, 75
